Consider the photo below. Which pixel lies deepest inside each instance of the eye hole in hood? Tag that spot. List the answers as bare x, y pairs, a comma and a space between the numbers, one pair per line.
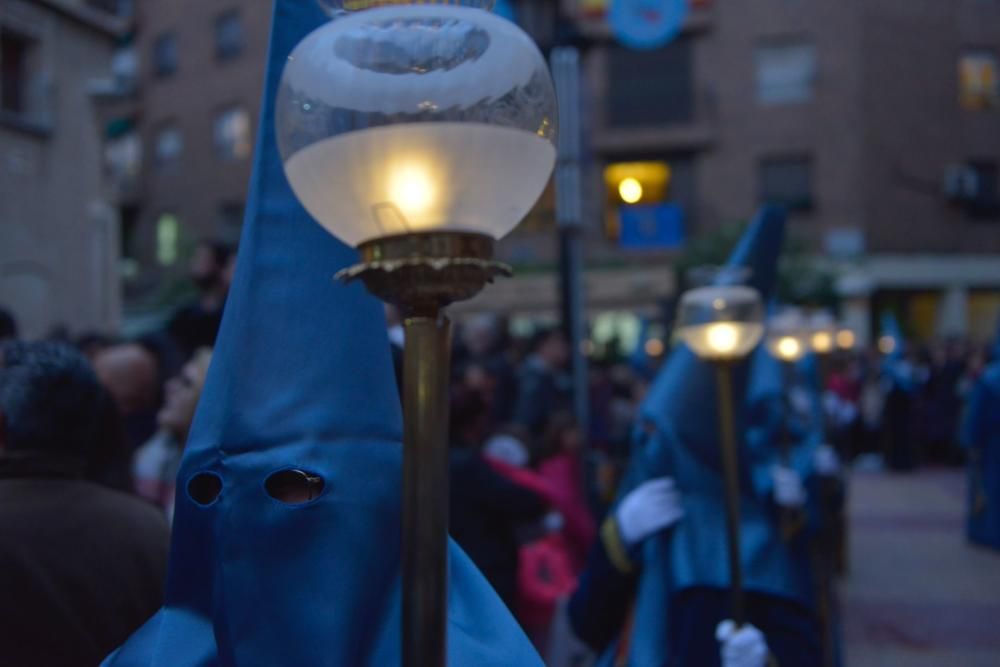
204, 488
294, 487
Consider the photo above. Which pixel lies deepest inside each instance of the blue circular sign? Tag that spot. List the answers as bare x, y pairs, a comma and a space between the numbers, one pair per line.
647, 24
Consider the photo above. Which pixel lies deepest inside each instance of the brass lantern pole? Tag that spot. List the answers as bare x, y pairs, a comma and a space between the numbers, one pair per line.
421, 274
418, 132
730, 471
722, 325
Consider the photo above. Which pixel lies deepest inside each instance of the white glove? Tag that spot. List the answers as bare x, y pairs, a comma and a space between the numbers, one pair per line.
826, 461
650, 507
788, 488
743, 647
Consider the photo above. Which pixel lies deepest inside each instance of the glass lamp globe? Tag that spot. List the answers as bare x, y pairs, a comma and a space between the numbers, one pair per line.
846, 339
822, 332
722, 323
400, 118
788, 337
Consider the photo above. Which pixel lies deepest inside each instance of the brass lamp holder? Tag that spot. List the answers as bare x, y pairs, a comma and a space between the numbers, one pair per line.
421, 274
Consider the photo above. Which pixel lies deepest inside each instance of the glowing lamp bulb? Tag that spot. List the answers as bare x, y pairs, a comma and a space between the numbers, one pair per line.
412, 189
886, 344
788, 348
630, 190
845, 339
822, 342
722, 337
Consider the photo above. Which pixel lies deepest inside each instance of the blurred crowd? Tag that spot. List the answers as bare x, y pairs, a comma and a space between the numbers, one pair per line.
528, 481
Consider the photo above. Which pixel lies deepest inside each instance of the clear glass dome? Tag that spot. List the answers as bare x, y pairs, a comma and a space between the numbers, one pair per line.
721, 323
788, 335
822, 332
416, 117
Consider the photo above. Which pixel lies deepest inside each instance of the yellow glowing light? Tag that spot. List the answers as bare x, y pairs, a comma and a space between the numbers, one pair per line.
411, 188
845, 339
822, 342
886, 344
654, 347
788, 348
722, 337
630, 190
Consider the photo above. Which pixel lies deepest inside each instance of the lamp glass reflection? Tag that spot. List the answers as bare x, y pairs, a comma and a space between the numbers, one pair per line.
406, 118
721, 323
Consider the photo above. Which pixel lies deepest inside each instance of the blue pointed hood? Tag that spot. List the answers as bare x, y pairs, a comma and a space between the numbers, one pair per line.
682, 399
301, 380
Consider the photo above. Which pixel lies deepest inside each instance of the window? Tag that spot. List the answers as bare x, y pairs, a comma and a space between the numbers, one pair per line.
232, 134
979, 82
165, 55
228, 36
649, 203
168, 231
650, 87
787, 181
786, 72
169, 145
15, 60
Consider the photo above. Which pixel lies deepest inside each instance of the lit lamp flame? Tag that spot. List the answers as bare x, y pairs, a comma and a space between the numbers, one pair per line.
721, 323
630, 190
822, 342
886, 344
722, 337
846, 339
412, 189
788, 348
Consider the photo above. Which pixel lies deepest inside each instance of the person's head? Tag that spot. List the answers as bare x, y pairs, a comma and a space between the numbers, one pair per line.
182, 393
209, 263
468, 418
91, 344
130, 373
481, 334
8, 326
50, 399
551, 347
562, 436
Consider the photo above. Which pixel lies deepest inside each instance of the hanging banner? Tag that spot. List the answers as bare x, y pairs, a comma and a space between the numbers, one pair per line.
651, 226
647, 24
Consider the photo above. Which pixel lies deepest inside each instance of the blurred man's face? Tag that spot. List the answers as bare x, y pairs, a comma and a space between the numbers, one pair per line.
129, 373
182, 393
556, 350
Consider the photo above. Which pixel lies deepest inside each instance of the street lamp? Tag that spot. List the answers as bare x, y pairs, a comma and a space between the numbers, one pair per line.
788, 338
419, 132
722, 325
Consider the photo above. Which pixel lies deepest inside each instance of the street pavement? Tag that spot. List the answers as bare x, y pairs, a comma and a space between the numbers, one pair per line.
917, 594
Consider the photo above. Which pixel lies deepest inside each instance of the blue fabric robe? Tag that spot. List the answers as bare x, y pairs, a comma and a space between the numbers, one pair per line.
682, 574
301, 379
981, 437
